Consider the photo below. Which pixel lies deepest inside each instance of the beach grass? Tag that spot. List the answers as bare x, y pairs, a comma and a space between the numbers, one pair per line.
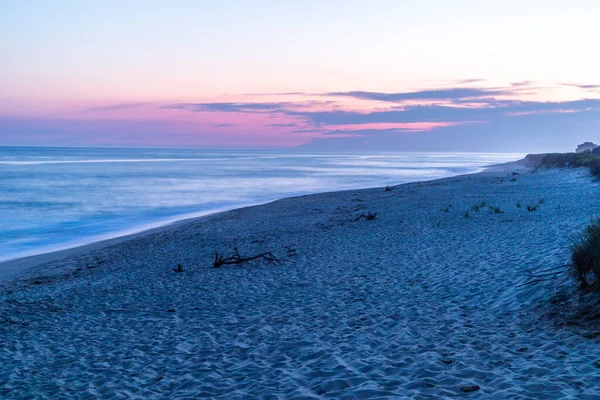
590, 160
585, 257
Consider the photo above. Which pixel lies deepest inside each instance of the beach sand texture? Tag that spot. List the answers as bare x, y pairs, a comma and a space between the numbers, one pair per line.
421, 302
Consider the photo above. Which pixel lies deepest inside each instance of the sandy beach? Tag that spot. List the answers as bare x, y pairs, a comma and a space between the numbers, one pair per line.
424, 301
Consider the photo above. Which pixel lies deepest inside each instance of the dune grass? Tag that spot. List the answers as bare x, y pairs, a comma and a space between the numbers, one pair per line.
585, 257
590, 160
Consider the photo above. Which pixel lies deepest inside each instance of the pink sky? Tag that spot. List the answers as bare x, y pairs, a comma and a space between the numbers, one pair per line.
283, 74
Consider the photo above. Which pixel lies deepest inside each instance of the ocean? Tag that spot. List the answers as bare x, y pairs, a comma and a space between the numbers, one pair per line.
56, 198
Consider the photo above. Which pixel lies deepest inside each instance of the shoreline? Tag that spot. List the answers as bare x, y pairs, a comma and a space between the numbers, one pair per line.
12, 267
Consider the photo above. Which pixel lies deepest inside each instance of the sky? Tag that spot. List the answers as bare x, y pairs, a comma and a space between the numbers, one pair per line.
426, 75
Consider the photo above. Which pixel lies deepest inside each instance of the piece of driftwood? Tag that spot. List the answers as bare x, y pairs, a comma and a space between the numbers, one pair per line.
544, 275
368, 216
237, 259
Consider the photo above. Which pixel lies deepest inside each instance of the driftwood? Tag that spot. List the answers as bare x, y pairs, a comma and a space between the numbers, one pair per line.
368, 216
237, 259
544, 275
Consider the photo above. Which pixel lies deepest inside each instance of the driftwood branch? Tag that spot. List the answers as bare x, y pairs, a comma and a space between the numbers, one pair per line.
530, 274
534, 281
368, 216
237, 259
543, 275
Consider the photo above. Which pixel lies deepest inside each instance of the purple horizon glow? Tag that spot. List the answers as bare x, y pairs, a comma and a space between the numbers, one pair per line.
285, 120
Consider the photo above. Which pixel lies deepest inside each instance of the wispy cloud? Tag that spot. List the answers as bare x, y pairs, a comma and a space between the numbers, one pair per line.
436, 113
418, 111
231, 107
583, 86
249, 107
464, 113
277, 94
467, 81
436, 94
290, 125
453, 118
521, 83
117, 107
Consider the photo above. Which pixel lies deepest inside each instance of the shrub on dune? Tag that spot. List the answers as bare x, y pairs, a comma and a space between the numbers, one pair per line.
585, 258
568, 160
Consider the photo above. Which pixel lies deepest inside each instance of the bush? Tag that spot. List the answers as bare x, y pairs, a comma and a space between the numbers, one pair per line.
585, 258
588, 160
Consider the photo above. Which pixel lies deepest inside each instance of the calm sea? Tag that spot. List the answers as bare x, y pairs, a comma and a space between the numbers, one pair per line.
55, 198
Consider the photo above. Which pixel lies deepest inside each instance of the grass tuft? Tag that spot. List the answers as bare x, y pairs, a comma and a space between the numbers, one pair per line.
585, 258
179, 268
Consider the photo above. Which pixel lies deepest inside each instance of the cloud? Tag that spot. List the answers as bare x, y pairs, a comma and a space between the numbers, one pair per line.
231, 107
116, 107
466, 81
436, 113
520, 84
527, 133
290, 125
436, 94
583, 86
307, 131
452, 119
488, 110
248, 107
277, 94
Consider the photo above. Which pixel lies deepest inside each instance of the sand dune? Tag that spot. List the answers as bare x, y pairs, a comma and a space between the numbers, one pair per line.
421, 302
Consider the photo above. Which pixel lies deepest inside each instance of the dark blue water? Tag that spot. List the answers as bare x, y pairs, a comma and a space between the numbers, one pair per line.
54, 198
